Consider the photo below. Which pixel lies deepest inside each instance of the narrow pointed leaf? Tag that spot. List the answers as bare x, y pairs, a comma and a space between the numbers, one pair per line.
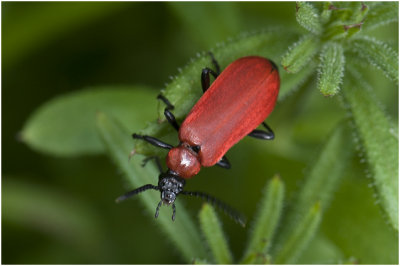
331, 69
299, 54
307, 16
182, 232
212, 230
379, 55
301, 236
379, 138
266, 220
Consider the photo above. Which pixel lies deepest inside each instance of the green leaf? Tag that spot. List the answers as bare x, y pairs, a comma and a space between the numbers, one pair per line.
379, 139
353, 212
331, 69
66, 125
326, 12
301, 236
379, 55
307, 16
212, 230
182, 232
325, 173
266, 221
380, 14
300, 53
185, 88
320, 184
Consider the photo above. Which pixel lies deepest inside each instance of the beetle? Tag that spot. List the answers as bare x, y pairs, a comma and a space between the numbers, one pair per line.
236, 103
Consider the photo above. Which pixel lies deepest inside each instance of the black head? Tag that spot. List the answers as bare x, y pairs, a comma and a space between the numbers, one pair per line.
170, 185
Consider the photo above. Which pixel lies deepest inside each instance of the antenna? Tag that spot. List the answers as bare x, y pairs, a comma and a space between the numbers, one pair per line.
232, 213
136, 191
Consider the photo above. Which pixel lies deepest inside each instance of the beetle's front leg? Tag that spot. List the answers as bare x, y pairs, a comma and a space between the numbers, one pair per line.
153, 141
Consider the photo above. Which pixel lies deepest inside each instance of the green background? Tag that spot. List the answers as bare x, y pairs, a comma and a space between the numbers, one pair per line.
62, 210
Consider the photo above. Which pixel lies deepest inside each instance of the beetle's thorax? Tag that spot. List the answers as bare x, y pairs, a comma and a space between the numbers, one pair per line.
184, 161
170, 186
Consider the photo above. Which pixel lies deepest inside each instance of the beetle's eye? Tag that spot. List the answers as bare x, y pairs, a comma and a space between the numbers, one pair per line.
196, 148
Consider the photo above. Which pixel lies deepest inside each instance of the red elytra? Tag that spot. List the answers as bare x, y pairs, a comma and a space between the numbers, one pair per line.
237, 102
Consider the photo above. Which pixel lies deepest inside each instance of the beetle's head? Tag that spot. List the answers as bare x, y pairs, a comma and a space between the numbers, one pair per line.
170, 185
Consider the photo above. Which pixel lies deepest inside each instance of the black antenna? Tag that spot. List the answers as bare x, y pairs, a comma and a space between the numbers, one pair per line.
136, 191
232, 213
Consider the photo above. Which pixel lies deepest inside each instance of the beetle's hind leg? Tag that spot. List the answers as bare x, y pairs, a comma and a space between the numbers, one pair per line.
224, 163
167, 112
261, 134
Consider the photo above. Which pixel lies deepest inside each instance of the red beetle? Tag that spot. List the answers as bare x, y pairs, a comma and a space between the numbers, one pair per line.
238, 101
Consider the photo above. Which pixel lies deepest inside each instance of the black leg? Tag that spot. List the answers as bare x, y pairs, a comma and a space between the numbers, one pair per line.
261, 134
205, 74
205, 78
171, 119
156, 158
153, 141
165, 100
167, 112
224, 163
215, 63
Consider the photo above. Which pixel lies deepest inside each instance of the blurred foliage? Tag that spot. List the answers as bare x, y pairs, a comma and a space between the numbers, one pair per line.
58, 197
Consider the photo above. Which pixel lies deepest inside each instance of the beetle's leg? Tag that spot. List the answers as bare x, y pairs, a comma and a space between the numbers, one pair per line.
224, 163
156, 158
169, 105
205, 78
215, 63
153, 141
205, 74
167, 112
261, 134
171, 119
